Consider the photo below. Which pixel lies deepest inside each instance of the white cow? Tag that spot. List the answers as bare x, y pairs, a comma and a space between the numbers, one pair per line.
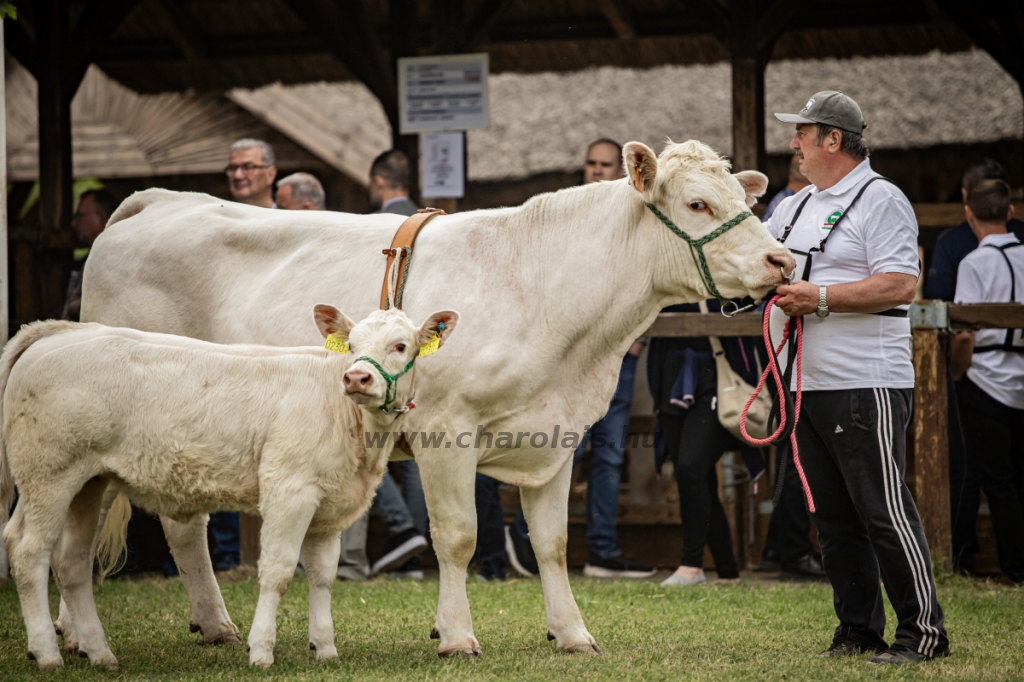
552, 292
186, 427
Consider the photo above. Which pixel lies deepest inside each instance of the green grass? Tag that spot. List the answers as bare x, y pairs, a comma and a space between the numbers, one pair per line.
754, 631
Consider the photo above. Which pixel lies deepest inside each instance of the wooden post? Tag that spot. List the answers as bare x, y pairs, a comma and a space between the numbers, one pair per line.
403, 43
927, 452
748, 64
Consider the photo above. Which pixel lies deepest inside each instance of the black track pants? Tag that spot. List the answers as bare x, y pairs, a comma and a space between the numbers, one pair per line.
853, 450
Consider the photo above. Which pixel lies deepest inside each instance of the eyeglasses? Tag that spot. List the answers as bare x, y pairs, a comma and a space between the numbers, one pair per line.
244, 167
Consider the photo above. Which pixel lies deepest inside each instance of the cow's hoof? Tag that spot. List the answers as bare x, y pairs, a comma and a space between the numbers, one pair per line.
82, 654
194, 627
583, 648
227, 637
48, 663
434, 634
261, 657
106, 659
69, 646
58, 629
327, 653
460, 653
551, 637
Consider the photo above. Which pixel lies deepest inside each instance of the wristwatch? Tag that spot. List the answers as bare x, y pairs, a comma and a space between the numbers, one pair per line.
822, 303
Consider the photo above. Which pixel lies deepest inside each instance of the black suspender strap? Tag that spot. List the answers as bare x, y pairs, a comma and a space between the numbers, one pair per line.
1007, 345
796, 216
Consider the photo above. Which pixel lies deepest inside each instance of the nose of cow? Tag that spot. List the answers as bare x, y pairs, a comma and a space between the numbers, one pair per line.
357, 381
781, 263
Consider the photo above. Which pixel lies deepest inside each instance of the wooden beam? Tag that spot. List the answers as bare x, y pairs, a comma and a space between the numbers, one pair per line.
748, 65
985, 31
927, 470
97, 21
22, 46
620, 18
681, 325
986, 316
774, 22
175, 21
479, 25
710, 13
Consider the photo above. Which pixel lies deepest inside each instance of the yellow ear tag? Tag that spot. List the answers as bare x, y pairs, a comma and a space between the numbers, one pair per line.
430, 346
336, 344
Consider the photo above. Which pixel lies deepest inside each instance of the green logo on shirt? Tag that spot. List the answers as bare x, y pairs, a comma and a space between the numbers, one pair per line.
831, 221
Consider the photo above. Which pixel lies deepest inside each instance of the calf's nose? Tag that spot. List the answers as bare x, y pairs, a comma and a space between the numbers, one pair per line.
357, 381
780, 262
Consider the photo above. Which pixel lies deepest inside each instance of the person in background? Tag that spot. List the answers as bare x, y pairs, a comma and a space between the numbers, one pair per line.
607, 437
251, 172
94, 210
951, 248
992, 393
403, 512
795, 183
301, 192
389, 184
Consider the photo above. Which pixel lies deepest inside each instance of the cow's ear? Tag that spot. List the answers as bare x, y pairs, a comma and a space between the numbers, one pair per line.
440, 324
641, 165
754, 184
329, 320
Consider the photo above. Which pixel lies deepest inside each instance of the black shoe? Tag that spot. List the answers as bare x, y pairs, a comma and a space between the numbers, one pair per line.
844, 647
399, 549
520, 553
411, 569
806, 568
770, 562
901, 654
619, 567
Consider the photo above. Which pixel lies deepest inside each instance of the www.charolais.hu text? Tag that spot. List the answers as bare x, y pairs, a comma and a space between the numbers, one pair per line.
556, 438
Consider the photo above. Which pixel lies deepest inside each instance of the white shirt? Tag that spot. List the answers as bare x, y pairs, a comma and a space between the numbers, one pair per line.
984, 278
854, 350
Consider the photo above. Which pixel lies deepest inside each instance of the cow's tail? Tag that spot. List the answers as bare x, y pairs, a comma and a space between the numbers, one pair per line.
112, 544
14, 349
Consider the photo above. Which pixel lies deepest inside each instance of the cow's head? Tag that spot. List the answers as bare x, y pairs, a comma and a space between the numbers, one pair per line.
384, 348
692, 186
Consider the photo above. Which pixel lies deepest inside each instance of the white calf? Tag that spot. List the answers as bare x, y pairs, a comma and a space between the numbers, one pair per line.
186, 427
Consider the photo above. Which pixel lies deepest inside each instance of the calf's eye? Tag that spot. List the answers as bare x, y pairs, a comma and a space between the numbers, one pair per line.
697, 205
400, 348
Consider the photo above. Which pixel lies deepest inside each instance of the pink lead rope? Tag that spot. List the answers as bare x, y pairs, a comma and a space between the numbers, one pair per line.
783, 416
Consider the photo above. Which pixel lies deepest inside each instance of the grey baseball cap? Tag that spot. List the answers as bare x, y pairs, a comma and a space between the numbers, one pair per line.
829, 107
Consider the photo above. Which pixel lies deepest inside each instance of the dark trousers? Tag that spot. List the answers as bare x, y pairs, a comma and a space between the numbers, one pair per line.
490, 529
994, 434
787, 540
695, 441
964, 490
853, 450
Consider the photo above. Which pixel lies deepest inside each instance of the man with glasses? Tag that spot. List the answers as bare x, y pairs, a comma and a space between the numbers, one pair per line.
251, 173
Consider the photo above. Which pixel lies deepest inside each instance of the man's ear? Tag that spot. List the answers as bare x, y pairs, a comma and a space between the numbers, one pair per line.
329, 320
754, 184
441, 323
641, 166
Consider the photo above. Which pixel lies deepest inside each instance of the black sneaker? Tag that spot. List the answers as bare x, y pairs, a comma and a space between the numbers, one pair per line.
770, 562
901, 654
520, 553
410, 570
399, 549
844, 647
806, 568
619, 567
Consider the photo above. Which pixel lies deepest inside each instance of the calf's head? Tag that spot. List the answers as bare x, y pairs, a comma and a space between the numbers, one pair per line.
384, 347
691, 186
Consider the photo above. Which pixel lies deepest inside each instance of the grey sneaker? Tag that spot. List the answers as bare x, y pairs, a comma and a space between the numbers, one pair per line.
619, 567
900, 654
677, 580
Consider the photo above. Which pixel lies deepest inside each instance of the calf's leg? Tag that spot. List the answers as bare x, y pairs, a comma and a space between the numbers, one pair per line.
449, 486
547, 511
285, 520
192, 555
320, 552
72, 570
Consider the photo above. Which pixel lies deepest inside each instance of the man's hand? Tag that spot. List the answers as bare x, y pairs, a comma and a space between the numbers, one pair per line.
637, 348
798, 298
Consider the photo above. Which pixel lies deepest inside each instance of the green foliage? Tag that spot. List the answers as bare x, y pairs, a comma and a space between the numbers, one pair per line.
753, 631
8, 10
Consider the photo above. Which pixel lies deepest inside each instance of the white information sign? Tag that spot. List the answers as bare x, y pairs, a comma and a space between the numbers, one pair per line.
442, 165
442, 93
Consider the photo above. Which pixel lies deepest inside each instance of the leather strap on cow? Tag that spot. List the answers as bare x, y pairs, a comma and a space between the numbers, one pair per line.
401, 248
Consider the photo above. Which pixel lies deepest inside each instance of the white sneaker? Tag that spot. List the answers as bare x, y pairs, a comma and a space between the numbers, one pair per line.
679, 580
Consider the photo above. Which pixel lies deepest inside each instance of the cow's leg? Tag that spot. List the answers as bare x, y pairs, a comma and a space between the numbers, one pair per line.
192, 555
547, 512
30, 537
64, 626
449, 486
320, 553
72, 570
285, 520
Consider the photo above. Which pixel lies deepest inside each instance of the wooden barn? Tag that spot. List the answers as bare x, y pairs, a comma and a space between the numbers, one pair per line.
153, 93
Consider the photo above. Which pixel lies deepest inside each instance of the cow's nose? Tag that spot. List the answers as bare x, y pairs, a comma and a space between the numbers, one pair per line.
781, 262
357, 381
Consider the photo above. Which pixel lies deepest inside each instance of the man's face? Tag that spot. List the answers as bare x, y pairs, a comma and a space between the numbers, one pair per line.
603, 163
813, 158
249, 180
88, 220
376, 188
289, 203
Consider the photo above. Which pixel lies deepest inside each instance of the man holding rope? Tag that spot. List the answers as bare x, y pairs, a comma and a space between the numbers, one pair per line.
860, 236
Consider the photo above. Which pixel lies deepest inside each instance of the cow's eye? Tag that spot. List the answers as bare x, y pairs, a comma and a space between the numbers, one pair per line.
400, 348
697, 205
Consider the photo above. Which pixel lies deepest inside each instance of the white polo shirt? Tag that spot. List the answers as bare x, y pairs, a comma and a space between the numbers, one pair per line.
854, 350
983, 277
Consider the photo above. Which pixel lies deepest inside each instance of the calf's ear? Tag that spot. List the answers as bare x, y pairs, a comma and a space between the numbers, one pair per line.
754, 184
329, 320
441, 324
641, 165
